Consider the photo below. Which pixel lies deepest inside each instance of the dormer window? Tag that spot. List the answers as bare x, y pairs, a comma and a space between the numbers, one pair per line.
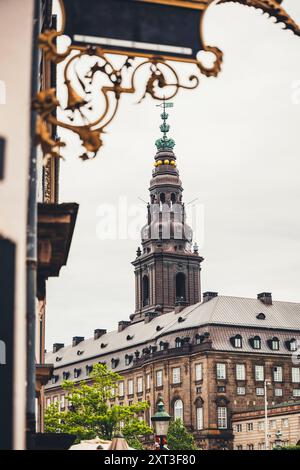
261, 316
103, 345
114, 363
128, 359
293, 346
66, 375
181, 319
58, 359
77, 373
256, 342
237, 341
54, 379
178, 343
274, 344
158, 328
129, 337
88, 369
79, 352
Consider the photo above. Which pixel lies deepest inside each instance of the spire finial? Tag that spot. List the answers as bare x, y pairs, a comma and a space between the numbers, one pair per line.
164, 142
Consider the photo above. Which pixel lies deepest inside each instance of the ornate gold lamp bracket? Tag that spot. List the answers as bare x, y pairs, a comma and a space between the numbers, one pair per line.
88, 114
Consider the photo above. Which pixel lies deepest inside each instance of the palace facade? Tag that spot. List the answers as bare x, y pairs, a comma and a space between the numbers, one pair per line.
206, 355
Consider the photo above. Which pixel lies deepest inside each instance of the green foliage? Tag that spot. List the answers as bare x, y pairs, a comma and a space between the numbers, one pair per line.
179, 438
287, 448
90, 415
134, 430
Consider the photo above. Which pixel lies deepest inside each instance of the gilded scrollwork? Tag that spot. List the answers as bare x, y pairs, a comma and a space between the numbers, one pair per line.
163, 82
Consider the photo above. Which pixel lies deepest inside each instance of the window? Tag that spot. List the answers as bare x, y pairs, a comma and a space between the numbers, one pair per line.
272, 424
55, 399
240, 372
145, 290
239, 428
199, 417
239, 447
48, 402
177, 343
176, 375
275, 344
221, 371
261, 426
77, 373
198, 339
285, 422
222, 417
62, 402
278, 392
259, 373
161, 346
180, 287
296, 392
277, 374
238, 342
159, 378
140, 384
121, 389
260, 391
293, 345
130, 387
250, 447
296, 374
241, 391
148, 381
178, 409
128, 359
261, 446
256, 342
198, 372
249, 426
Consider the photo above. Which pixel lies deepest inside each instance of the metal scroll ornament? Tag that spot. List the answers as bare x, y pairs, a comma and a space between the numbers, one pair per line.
82, 114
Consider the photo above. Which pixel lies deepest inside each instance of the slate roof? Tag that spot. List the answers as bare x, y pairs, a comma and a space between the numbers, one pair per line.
222, 316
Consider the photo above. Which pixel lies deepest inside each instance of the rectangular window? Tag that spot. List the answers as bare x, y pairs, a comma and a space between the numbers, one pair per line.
277, 374
278, 392
249, 426
240, 372
239, 447
140, 384
198, 372
130, 387
272, 424
55, 399
148, 381
176, 375
285, 422
260, 391
121, 389
48, 402
221, 371
296, 374
239, 428
222, 417
241, 391
296, 392
62, 402
250, 447
261, 426
159, 378
259, 373
199, 417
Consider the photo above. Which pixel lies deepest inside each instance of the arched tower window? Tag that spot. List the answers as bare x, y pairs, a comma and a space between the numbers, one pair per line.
162, 198
178, 409
180, 287
145, 290
173, 198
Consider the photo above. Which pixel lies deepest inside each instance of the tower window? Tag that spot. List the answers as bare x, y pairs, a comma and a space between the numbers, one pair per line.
162, 198
180, 287
173, 198
145, 291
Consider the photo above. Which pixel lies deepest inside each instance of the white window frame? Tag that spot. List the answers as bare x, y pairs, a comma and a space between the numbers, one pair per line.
296, 392
240, 372
178, 409
176, 375
238, 342
256, 343
148, 381
130, 387
222, 417
278, 392
221, 371
159, 378
259, 373
241, 391
277, 374
198, 372
140, 384
121, 389
296, 375
199, 418
260, 392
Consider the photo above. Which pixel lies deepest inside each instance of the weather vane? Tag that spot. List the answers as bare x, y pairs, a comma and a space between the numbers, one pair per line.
164, 142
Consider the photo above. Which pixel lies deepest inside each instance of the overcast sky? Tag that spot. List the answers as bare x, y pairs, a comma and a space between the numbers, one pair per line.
237, 144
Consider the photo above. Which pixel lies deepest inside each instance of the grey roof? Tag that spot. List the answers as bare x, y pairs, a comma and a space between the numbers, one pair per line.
235, 313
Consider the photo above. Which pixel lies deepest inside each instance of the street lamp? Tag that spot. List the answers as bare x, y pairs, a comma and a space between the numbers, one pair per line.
161, 421
266, 383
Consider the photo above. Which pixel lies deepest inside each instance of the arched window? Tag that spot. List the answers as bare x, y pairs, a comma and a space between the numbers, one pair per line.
178, 343
274, 343
199, 417
173, 198
178, 409
238, 341
162, 197
145, 290
293, 345
180, 287
256, 342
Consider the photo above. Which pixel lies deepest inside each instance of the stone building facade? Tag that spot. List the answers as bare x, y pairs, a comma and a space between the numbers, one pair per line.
208, 359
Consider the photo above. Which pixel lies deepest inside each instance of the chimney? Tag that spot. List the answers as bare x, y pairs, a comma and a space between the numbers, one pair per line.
98, 333
265, 298
57, 346
76, 340
207, 296
122, 325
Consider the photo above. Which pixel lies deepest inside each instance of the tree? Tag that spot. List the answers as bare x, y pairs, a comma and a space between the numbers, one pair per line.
89, 414
178, 437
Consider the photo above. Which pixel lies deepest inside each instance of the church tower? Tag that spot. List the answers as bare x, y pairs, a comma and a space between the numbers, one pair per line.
167, 268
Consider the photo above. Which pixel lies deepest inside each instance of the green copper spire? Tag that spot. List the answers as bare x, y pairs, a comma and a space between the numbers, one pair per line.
164, 142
